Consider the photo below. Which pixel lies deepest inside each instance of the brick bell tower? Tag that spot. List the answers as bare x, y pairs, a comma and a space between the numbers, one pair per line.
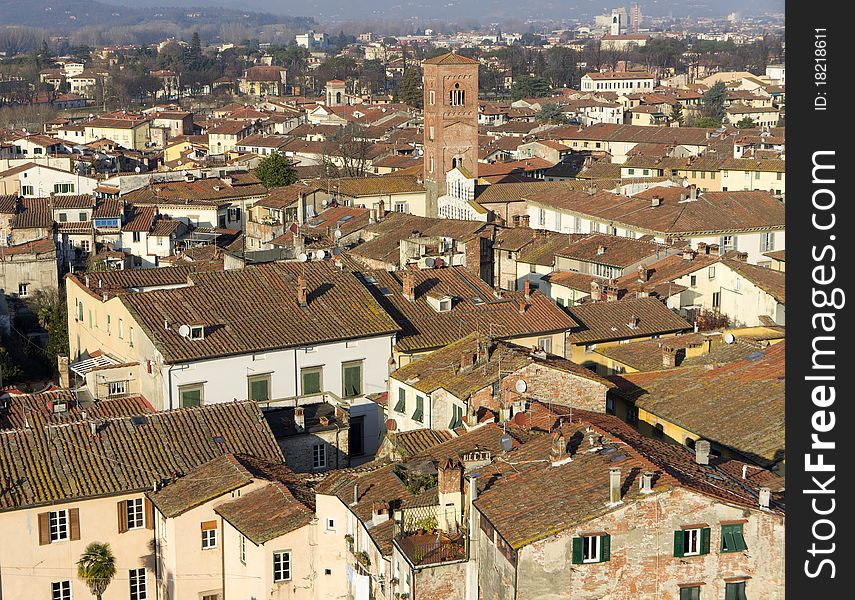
450, 121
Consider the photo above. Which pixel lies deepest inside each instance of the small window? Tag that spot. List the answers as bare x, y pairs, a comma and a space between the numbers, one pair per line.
711, 273
27, 190
197, 332
191, 395
58, 522
401, 404
591, 549
312, 380
242, 549
63, 218
732, 539
81, 217
209, 535
281, 566
545, 344
319, 456
60, 590
135, 235
419, 413
693, 280
136, 578
330, 524
22, 289
136, 515
692, 592
456, 417
352, 378
258, 387
734, 590
692, 542
716, 300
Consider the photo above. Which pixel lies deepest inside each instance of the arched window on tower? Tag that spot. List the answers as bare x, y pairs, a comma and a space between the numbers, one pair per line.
453, 163
456, 96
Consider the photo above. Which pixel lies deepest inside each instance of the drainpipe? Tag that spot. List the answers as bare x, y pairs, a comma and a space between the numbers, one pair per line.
472, 554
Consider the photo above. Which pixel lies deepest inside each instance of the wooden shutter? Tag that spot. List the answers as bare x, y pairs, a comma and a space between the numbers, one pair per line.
577, 550
74, 523
705, 540
44, 528
206, 525
149, 514
122, 513
678, 543
605, 547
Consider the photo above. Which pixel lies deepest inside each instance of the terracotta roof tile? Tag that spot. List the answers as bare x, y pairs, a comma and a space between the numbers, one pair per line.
607, 321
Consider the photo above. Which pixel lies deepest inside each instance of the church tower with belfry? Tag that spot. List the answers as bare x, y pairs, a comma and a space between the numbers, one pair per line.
450, 122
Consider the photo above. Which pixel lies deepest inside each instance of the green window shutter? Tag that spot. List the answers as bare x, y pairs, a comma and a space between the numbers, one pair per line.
705, 540
678, 543
191, 398
258, 390
418, 415
401, 404
352, 381
739, 538
732, 539
577, 550
605, 547
311, 382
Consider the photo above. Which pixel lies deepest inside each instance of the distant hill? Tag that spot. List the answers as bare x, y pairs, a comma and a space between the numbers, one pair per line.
485, 10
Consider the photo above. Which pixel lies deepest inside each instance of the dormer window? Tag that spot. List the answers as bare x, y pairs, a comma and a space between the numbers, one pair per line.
445, 305
440, 303
197, 332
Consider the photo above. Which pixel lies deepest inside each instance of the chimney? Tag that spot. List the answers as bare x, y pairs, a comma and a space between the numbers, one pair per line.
516, 220
611, 293
381, 209
558, 452
527, 289
688, 254
655, 201
702, 452
380, 512
643, 275
467, 359
601, 250
450, 477
669, 357
614, 486
523, 306
765, 495
409, 286
300, 418
302, 291
526, 219
646, 483
596, 291
355, 494
703, 248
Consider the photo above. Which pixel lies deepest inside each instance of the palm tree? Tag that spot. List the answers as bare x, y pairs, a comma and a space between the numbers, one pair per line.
97, 567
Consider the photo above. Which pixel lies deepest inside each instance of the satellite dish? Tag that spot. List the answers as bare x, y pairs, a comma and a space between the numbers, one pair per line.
302, 257
137, 169
337, 233
184, 331
429, 262
391, 424
685, 183
506, 443
521, 386
728, 338
320, 254
324, 202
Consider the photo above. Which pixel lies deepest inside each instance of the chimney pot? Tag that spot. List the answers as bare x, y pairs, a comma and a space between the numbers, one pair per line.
300, 418
409, 291
355, 494
646, 483
558, 453
702, 452
516, 220
669, 357
642, 273
765, 496
527, 289
522, 307
302, 291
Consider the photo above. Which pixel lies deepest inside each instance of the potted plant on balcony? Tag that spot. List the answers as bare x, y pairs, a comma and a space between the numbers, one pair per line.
363, 559
349, 539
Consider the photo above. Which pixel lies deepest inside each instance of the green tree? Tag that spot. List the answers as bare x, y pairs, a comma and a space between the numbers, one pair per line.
530, 86
194, 52
97, 567
53, 316
276, 171
746, 123
714, 101
410, 89
552, 113
677, 113
706, 122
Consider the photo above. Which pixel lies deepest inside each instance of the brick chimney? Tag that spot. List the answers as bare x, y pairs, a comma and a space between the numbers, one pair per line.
611, 293
409, 284
702, 452
516, 220
467, 360
527, 289
300, 418
614, 486
526, 219
703, 248
381, 209
669, 357
688, 254
450, 488
302, 291
643, 275
380, 512
558, 452
523, 306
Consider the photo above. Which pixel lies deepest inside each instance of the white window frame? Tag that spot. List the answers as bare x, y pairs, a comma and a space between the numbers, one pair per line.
136, 513
242, 548
58, 525
60, 590
330, 524
209, 539
281, 566
117, 388
137, 583
591, 548
691, 542
319, 456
